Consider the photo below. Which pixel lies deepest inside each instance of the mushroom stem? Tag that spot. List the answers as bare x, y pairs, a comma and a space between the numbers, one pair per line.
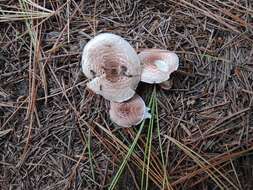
147, 115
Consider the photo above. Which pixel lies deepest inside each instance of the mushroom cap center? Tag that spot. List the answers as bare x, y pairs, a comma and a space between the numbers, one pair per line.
111, 70
114, 64
124, 110
130, 110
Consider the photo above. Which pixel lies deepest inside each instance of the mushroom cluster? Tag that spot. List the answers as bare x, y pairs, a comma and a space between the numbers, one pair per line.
115, 70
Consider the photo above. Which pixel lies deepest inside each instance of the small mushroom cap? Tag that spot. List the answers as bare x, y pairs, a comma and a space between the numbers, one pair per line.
113, 65
157, 65
129, 113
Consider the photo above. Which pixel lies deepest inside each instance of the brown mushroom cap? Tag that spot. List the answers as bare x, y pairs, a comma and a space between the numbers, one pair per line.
129, 113
157, 65
113, 65
166, 85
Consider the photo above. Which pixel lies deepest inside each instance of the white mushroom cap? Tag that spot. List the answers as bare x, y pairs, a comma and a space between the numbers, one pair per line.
157, 65
113, 65
129, 113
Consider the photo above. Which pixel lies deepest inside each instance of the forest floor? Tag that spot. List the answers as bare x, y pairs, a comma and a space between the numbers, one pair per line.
56, 134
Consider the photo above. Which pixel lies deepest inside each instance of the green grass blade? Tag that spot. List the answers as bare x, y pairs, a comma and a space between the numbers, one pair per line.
123, 164
130, 151
165, 179
90, 155
147, 145
149, 140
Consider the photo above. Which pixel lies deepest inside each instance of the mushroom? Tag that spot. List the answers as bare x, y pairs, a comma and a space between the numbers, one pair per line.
129, 113
166, 85
113, 67
157, 65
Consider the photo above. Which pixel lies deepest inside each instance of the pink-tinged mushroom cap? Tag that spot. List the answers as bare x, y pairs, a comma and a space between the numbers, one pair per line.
157, 65
113, 67
129, 113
